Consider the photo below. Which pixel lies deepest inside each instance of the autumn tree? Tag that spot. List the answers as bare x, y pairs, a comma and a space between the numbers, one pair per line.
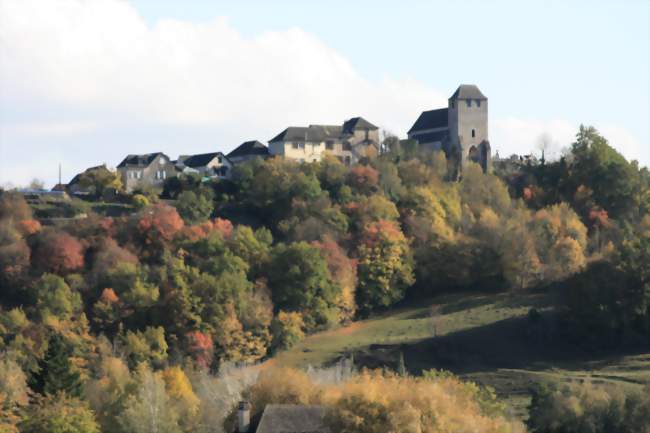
59, 413
14, 394
148, 346
57, 252
287, 329
149, 409
182, 398
363, 178
385, 266
158, 223
108, 392
14, 254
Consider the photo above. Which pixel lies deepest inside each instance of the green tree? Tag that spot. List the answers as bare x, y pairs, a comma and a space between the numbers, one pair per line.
98, 180
55, 298
195, 206
147, 346
59, 414
300, 280
56, 373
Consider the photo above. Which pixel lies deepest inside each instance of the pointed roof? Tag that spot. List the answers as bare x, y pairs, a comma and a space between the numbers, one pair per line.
357, 123
430, 120
252, 147
143, 160
201, 160
468, 91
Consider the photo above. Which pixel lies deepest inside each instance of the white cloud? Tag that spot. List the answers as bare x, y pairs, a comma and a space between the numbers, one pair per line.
87, 81
521, 136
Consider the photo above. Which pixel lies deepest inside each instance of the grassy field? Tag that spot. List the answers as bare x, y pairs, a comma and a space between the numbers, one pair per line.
488, 339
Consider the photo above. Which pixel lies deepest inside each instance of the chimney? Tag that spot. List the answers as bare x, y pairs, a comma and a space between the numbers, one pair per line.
244, 417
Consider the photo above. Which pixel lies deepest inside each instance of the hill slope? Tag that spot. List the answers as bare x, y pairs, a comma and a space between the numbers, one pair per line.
485, 338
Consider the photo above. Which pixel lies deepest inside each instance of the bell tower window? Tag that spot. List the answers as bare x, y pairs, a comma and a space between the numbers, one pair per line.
473, 133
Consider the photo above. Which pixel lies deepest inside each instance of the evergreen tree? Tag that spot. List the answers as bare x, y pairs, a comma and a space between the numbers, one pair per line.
55, 371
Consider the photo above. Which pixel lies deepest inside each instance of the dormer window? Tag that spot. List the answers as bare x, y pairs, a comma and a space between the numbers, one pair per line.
468, 102
478, 102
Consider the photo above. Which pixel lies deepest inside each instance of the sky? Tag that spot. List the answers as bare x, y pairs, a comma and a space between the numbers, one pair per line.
86, 82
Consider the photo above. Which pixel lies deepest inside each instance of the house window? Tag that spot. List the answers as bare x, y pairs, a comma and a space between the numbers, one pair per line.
452, 104
219, 159
347, 146
164, 174
329, 145
294, 145
301, 145
478, 102
473, 133
162, 161
468, 102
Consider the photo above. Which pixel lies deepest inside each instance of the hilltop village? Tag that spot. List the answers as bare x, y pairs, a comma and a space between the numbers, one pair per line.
460, 130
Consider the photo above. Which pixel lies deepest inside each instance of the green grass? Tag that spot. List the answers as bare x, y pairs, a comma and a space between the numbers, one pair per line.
483, 338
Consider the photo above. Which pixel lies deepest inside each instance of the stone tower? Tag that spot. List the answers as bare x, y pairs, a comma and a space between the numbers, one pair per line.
468, 128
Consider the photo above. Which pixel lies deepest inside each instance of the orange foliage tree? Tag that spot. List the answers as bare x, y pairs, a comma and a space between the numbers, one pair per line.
364, 178
58, 252
159, 221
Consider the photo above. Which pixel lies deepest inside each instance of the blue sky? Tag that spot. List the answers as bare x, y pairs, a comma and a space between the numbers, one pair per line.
124, 77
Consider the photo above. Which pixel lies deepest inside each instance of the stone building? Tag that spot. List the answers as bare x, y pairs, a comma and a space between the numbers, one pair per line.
353, 140
143, 171
460, 130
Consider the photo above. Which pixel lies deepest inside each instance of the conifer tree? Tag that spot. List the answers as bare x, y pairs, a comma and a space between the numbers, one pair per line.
55, 371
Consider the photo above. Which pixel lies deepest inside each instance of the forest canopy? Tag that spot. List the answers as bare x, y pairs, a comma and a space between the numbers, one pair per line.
98, 314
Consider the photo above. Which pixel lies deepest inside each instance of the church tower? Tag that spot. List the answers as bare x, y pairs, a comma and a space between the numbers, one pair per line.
468, 128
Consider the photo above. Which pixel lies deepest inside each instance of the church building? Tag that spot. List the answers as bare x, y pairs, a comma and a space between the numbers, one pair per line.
460, 130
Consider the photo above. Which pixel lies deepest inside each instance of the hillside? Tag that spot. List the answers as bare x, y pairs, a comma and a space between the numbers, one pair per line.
481, 337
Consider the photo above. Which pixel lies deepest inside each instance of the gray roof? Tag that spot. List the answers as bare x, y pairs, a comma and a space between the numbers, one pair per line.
318, 133
140, 160
312, 133
253, 147
468, 91
357, 123
202, 159
289, 418
431, 119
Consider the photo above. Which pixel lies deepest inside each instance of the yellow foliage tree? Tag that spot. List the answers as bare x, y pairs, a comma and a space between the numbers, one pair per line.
179, 390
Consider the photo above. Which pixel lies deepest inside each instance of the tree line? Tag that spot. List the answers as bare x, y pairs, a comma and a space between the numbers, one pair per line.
205, 274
